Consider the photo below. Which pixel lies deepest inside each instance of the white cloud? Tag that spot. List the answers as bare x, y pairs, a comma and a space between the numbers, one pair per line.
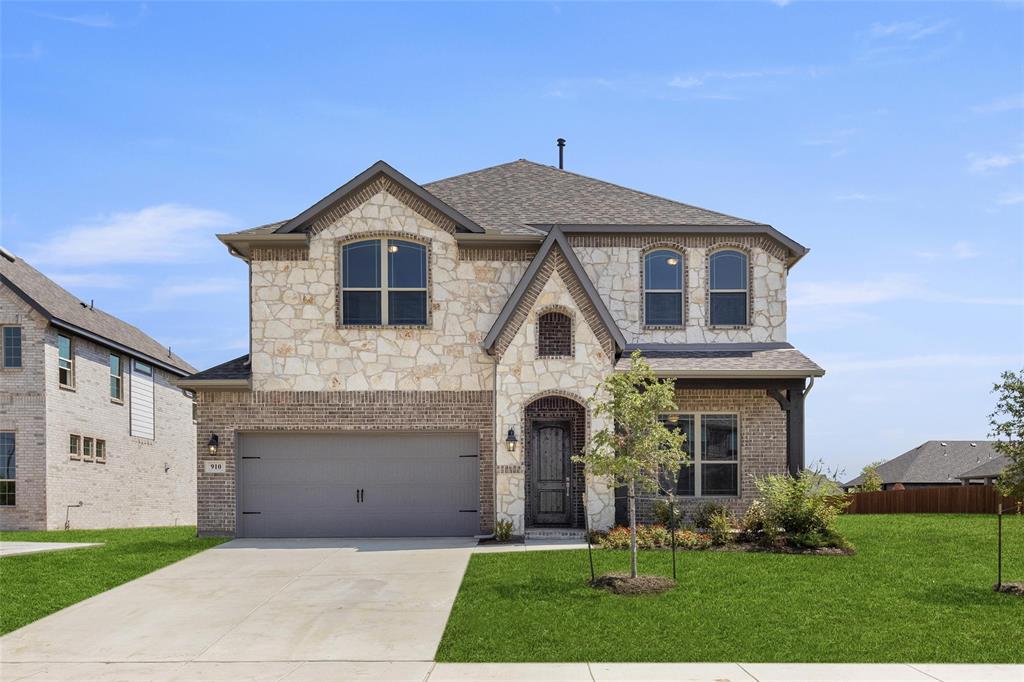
1000, 104
921, 361
881, 290
980, 163
780, 3
1011, 199
906, 30
158, 234
87, 20
32, 54
961, 250
857, 196
91, 280
202, 287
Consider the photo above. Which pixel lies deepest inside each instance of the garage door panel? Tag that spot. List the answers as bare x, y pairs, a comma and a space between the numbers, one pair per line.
304, 484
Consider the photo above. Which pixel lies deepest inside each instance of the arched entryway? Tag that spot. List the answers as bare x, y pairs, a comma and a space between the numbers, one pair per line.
556, 430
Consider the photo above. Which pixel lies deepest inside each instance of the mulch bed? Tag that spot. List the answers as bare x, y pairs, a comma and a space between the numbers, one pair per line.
1016, 589
751, 547
622, 583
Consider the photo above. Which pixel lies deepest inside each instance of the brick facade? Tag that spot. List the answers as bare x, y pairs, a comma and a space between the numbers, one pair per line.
554, 335
231, 412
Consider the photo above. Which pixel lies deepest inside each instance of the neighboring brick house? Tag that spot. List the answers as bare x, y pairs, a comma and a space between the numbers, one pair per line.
421, 355
89, 413
937, 463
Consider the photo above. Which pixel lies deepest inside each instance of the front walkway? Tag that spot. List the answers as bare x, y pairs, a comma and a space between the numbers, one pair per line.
11, 548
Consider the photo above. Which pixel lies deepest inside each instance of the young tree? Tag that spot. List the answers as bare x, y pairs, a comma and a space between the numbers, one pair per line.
1007, 423
871, 480
636, 447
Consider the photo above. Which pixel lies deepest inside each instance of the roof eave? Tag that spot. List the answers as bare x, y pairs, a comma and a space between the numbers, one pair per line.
240, 244
738, 374
114, 345
300, 221
213, 384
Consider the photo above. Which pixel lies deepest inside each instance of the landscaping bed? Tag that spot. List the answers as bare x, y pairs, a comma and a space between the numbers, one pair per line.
36, 585
919, 589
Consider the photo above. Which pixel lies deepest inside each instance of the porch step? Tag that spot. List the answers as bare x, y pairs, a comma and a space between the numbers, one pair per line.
556, 534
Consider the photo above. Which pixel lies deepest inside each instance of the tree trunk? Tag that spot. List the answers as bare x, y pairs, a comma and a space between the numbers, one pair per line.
631, 495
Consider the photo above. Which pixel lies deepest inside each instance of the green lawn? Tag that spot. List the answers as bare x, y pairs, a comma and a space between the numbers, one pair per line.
35, 585
919, 589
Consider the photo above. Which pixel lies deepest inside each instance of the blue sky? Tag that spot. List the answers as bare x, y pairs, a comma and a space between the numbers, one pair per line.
887, 137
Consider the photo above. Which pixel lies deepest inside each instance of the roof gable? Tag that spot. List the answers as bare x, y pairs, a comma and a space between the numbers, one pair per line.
555, 254
64, 310
379, 176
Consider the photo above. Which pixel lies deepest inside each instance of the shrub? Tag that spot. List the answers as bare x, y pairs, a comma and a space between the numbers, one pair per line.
663, 512
651, 537
704, 511
720, 527
805, 509
503, 530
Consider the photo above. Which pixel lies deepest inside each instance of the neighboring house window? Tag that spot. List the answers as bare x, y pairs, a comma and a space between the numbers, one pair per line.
116, 377
87, 449
142, 417
8, 469
554, 335
663, 288
384, 281
728, 288
713, 470
12, 346
75, 446
101, 450
65, 361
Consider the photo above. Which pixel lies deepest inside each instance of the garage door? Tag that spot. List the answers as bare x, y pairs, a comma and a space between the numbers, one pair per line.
358, 485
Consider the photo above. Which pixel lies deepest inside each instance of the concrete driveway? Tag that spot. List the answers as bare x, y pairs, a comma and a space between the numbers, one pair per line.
260, 601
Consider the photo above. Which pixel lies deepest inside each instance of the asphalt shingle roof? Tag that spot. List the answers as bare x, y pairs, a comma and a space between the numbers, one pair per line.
58, 304
238, 368
510, 197
721, 360
991, 467
934, 461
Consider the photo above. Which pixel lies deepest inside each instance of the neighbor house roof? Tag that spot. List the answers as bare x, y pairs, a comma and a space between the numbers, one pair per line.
987, 469
724, 360
64, 310
935, 461
227, 374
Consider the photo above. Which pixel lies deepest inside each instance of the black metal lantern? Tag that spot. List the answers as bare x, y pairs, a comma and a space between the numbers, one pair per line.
213, 443
511, 440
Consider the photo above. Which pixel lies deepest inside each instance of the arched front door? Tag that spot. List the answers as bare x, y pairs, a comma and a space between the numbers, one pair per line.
551, 470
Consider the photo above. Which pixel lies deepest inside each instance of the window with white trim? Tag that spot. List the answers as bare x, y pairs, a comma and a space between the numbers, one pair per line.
663, 288
87, 449
728, 288
116, 377
65, 361
11, 342
8, 469
75, 446
101, 450
384, 282
713, 469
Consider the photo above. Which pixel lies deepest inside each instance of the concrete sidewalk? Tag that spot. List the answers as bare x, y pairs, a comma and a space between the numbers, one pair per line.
424, 671
10, 548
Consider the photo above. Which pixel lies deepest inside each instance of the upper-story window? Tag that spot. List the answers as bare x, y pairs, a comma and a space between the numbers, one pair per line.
728, 288
663, 288
384, 282
65, 361
554, 335
11, 342
116, 378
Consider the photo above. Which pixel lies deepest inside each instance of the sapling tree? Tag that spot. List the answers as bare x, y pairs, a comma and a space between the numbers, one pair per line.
1007, 423
871, 480
635, 447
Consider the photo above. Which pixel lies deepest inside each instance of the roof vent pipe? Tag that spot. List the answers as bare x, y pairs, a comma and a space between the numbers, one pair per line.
561, 152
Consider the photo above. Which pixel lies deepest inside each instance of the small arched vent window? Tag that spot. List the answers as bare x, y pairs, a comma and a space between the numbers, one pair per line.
554, 335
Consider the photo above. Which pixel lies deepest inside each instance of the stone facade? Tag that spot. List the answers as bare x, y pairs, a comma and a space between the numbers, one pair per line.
141, 483
230, 413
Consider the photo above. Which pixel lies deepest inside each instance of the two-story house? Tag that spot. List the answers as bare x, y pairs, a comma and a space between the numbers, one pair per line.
421, 355
93, 431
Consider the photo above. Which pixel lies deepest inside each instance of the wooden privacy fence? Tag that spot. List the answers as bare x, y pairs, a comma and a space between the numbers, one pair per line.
954, 499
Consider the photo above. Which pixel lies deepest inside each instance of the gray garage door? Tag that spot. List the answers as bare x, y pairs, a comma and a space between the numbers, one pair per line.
358, 485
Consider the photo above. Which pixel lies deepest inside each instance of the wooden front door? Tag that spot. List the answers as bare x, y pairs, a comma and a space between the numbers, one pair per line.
550, 472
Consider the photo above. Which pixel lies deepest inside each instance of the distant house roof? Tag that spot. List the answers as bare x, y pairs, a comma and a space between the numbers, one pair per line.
936, 461
988, 469
64, 310
723, 360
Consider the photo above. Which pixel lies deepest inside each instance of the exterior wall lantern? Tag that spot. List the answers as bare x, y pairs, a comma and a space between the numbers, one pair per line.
213, 443
510, 440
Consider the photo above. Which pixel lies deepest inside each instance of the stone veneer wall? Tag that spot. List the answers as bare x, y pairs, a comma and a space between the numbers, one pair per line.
615, 264
762, 442
143, 482
297, 344
23, 411
522, 377
230, 412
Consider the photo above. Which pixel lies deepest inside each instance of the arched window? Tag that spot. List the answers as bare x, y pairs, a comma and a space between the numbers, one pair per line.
384, 281
728, 288
554, 335
663, 288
